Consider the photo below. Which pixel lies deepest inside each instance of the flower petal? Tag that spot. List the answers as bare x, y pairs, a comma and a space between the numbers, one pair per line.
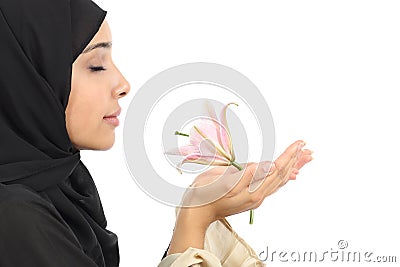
224, 138
183, 150
208, 130
204, 160
213, 144
225, 135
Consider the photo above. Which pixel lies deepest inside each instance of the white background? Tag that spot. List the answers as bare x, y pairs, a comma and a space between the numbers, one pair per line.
329, 71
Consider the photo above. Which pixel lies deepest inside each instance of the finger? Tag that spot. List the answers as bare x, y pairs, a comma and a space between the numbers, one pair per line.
294, 174
209, 187
291, 153
246, 200
280, 171
274, 186
291, 158
270, 183
287, 161
290, 170
272, 190
271, 187
305, 157
276, 177
264, 168
253, 173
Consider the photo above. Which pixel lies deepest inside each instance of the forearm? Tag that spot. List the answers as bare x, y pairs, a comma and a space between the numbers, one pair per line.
190, 230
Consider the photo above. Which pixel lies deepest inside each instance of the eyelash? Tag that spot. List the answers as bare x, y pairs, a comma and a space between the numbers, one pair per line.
97, 68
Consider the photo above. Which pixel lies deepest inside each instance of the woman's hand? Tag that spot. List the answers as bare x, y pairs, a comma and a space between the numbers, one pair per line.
224, 191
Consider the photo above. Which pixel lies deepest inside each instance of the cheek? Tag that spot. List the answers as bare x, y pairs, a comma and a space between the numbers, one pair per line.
85, 109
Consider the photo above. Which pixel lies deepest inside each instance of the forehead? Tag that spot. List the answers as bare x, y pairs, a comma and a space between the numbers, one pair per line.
103, 35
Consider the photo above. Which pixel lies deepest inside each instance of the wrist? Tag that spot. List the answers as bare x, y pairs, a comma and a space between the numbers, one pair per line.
190, 230
198, 218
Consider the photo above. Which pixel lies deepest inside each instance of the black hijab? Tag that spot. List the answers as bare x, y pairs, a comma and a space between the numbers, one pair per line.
39, 41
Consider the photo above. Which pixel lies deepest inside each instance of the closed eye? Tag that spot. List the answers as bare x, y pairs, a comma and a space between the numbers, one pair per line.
97, 68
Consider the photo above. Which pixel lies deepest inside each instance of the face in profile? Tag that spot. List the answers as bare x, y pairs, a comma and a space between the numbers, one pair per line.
96, 87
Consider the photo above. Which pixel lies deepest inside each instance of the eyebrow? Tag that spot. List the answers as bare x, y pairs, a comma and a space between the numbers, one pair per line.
98, 45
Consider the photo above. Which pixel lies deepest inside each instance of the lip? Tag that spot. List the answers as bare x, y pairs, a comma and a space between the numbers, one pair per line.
112, 118
115, 114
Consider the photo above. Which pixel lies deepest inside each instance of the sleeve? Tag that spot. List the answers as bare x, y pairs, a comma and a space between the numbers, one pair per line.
33, 234
222, 247
192, 257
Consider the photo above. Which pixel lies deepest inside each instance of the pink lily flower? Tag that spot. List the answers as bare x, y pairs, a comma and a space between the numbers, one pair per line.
210, 143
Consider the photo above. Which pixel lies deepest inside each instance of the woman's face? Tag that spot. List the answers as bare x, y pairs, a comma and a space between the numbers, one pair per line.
96, 87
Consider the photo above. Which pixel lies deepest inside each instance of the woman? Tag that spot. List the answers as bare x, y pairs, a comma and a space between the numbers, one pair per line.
59, 92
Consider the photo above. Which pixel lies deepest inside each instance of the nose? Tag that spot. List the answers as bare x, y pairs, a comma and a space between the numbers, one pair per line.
123, 87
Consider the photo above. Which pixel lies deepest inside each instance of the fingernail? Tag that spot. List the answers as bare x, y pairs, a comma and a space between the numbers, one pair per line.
301, 145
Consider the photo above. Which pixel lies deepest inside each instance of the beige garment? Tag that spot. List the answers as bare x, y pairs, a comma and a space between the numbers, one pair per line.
222, 248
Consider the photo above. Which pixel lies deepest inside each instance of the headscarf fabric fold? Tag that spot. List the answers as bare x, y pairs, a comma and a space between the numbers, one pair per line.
39, 41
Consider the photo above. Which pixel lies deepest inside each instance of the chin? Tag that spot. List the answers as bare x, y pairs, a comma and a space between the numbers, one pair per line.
105, 145
99, 144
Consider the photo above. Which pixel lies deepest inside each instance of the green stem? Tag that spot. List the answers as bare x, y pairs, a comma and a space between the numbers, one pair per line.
237, 165
179, 133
